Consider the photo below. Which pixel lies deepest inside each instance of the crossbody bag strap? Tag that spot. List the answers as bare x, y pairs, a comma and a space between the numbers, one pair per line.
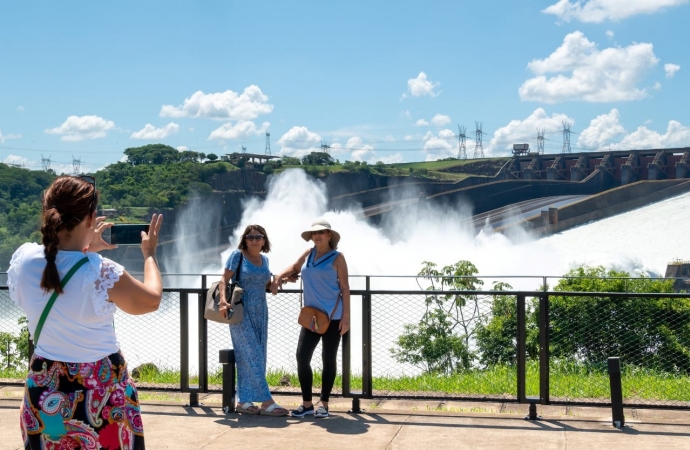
53, 297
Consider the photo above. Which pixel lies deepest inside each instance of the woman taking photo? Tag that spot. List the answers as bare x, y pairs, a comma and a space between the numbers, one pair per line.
250, 336
78, 393
326, 287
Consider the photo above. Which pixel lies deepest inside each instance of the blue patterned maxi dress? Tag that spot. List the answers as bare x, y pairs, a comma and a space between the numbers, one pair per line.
250, 337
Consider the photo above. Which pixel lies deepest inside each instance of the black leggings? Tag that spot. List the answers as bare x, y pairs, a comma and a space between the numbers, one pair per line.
308, 340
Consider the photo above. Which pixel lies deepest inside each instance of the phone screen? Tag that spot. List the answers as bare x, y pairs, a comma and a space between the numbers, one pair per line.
127, 234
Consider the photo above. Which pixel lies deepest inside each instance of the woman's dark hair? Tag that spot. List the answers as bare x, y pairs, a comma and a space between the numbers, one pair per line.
243, 243
67, 202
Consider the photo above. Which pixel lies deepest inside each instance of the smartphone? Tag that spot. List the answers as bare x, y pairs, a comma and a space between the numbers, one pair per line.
127, 234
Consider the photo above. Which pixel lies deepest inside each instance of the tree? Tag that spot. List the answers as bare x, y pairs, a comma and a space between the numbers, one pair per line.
318, 159
440, 342
496, 339
212, 157
290, 161
652, 333
152, 154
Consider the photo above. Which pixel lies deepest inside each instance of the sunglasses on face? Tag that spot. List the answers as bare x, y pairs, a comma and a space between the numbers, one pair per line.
319, 232
254, 237
92, 181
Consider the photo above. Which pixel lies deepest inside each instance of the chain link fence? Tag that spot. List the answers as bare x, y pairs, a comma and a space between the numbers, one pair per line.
433, 344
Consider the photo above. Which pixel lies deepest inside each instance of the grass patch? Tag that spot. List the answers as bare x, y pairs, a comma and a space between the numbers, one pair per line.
567, 380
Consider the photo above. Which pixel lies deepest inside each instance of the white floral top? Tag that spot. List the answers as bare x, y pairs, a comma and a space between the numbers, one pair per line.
79, 327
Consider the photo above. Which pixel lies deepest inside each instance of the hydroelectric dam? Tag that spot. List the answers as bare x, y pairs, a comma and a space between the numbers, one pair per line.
545, 193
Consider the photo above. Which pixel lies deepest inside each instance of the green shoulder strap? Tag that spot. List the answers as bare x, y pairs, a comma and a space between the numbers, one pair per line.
63, 283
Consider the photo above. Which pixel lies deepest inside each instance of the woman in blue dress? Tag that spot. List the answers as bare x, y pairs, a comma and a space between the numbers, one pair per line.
250, 336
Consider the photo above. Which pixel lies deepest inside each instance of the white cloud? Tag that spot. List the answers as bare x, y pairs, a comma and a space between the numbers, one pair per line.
78, 128
656, 86
607, 127
441, 145
151, 132
610, 34
406, 114
597, 11
582, 72
421, 123
676, 135
15, 159
240, 130
182, 148
521, 131
408, 137
671, 69
299, 141
3, 137
222, 105
440, 120
420, 86
367, 153
601, 131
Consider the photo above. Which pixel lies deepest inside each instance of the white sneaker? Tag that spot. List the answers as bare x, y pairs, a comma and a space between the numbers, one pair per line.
321, 412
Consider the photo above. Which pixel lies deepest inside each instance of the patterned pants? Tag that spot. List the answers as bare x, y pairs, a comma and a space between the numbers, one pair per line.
81, 406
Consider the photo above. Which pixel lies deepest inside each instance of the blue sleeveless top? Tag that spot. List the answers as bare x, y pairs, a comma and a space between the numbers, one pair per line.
320, 283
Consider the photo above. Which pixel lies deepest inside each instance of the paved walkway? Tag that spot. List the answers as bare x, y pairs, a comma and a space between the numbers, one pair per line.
391, 424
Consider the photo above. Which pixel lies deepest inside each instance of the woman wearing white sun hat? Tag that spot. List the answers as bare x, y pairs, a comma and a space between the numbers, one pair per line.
325, 281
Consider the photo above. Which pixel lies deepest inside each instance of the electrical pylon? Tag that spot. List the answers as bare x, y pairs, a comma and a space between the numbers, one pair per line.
566, 136
478, 147
45, 162
540, 141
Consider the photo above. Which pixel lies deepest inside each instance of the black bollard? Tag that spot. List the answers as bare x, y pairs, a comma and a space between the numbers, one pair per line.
616, 392
227, 359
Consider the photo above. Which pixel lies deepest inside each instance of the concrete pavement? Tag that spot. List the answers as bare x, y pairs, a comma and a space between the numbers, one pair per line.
390, 424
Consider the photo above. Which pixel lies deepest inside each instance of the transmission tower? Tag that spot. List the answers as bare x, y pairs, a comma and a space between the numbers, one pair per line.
76, 164
540, 141
462, 150
566, 136
45, 162
478, 147
325, 147
244, 149
268, 143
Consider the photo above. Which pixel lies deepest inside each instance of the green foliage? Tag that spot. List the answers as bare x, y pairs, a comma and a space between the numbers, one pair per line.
212, 157
14, 350
152, 154
652, 333
440, 342
20, 208
156, 186
290, 161
318, 159
496, 339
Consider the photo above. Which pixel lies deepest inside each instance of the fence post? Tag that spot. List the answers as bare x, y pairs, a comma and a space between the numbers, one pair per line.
521, 357
618, 418
544, 394
227, 359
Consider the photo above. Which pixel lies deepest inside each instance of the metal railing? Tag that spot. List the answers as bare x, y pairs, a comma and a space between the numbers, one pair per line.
522, 346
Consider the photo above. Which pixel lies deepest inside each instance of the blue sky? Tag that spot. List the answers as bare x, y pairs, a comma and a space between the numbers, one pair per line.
378, 81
